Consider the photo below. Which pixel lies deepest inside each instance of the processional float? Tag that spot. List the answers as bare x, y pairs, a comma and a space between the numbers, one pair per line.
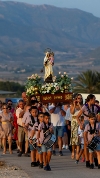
53, 89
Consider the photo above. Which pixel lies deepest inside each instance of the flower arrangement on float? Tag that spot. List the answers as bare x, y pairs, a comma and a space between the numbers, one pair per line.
33, 85
51, 88
61, 83
64, 82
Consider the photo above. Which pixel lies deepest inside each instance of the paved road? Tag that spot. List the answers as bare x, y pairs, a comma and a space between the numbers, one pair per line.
62, 167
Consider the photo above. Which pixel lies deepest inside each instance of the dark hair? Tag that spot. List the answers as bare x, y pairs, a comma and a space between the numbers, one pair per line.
75, 95
9, 107
33, 102
21, 101
90, 97
32, 96
33, 107
0, 102
82, 118
96, 101
91, 115
40, 113
46, 114
78, 95
3, 104
9, 101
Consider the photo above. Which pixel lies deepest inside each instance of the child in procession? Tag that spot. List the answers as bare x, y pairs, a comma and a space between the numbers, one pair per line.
32, 123
81, 140
44, 126
91, 130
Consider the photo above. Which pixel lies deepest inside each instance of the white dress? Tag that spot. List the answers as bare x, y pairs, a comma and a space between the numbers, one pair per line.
48, 68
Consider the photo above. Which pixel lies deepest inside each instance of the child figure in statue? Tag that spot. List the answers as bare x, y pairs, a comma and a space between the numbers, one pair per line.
48, 64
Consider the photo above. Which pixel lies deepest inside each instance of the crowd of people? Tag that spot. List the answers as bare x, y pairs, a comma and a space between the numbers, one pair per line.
74, 126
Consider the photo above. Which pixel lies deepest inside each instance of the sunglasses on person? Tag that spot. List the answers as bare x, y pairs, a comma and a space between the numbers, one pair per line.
5, 108
79, 98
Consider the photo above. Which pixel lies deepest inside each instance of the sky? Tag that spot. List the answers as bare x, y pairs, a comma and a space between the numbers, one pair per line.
92, 6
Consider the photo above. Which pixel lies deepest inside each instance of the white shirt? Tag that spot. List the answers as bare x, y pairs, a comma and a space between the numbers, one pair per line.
56, 118
19, 120
68, 115
80, 133
26, 116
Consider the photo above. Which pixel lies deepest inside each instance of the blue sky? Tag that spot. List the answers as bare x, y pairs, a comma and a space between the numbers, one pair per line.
92, 6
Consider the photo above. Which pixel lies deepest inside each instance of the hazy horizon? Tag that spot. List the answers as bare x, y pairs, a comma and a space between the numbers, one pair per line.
91, 6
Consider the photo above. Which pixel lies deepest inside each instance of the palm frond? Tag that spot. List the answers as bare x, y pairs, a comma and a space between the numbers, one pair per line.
88, 82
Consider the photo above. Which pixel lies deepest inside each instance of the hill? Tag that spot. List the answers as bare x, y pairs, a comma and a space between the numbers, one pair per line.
26, 30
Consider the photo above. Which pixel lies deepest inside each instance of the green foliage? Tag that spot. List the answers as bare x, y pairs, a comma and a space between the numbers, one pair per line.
34, 85
11, 86
88, 82
64, 81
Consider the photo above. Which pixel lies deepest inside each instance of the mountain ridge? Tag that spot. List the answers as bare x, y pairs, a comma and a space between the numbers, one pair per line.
27, 30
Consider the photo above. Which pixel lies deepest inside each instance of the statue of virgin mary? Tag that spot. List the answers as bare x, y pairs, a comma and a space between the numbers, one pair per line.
48, 65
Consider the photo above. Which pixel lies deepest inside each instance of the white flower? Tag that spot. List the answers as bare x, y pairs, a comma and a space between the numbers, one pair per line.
47, 84
43, 86
51, 84
64, 73
59, 72
27, 91
44, 92
49, 88
56, 83
36, 75
28, 78
62, 76
72, 78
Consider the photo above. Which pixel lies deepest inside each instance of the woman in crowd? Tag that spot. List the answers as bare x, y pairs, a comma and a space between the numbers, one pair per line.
6, 119
10, 105
74, 110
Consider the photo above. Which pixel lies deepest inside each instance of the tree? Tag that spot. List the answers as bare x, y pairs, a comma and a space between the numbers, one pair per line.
87, 82
12, 86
